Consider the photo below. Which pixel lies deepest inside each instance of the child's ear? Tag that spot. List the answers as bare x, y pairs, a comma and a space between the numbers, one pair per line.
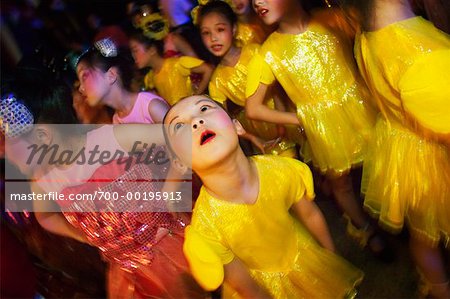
179, 166
239, 128
112, 75
234, 30
44, 135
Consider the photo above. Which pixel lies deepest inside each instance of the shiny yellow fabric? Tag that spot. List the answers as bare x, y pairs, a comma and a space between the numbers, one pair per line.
229, 83
407, 173
278, 251
249, 34
317, 70
172, 82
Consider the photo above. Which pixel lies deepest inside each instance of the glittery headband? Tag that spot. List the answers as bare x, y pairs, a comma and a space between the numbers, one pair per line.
106, 47
15, 118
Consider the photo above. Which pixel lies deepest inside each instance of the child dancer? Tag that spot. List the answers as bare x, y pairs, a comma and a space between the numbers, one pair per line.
105, 78
405, 61
250, 29
312, 60
87, 114
143, 249
217, 24
242, 232
170, 77
174, 44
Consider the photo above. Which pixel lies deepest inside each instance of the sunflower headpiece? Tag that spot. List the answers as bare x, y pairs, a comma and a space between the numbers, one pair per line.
154, 26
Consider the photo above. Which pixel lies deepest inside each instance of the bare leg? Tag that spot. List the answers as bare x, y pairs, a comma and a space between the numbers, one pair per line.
430, 262
344, 195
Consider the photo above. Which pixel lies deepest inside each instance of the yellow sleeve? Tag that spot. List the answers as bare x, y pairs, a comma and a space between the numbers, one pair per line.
302, 181
258, 72
206, 254
216, 94
149, 84
425, 91
186, 63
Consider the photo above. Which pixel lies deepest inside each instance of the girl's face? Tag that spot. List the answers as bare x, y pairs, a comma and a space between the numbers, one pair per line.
217, 33
241, 7
93, 83
271, 11
140, 54
200, 132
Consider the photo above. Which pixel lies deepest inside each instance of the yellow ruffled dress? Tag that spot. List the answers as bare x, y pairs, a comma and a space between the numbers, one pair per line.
172, 82
316, 68
279, 252
230, 82
407, 172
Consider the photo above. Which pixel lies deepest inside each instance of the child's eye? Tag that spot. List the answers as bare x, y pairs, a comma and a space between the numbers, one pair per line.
221, 29
177, 126
83, 76
205, 33
204, 108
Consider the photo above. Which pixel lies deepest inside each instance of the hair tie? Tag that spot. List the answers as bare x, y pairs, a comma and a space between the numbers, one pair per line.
106, 47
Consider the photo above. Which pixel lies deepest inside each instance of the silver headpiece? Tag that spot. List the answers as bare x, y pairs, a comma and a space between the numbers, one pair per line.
15, 118
106, 47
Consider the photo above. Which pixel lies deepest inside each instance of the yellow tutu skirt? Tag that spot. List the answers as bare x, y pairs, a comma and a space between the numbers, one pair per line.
408, 178
337, 132
316, 273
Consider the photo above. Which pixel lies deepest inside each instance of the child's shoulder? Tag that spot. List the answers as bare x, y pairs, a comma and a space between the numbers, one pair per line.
281, 164
146, 96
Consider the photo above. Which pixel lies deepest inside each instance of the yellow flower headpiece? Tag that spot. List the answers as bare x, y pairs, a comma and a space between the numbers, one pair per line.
154, 26
194, 11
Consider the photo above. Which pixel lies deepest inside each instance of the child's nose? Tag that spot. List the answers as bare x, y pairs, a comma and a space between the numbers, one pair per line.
257, 3
197, 123
81, 89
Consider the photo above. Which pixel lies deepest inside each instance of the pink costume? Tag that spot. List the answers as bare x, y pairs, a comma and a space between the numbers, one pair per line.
139, 114
144, 249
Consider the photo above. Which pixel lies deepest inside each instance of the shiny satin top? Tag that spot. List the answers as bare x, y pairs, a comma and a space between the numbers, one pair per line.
249, 33
406, 65
229, 82
172, 82
243, 230
314, 66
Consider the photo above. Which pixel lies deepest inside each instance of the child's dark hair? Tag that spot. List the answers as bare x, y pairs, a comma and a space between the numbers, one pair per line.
139, 36
123, 62
220, 7
48, 99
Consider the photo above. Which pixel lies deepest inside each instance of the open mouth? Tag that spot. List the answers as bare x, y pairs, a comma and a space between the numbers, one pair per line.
206, 137
216, 48
262, 12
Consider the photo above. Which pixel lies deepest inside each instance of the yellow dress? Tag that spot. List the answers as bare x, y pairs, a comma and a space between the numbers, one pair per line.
229, 83
279, 252
249, 34
407, 172
317, 70
172, 82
